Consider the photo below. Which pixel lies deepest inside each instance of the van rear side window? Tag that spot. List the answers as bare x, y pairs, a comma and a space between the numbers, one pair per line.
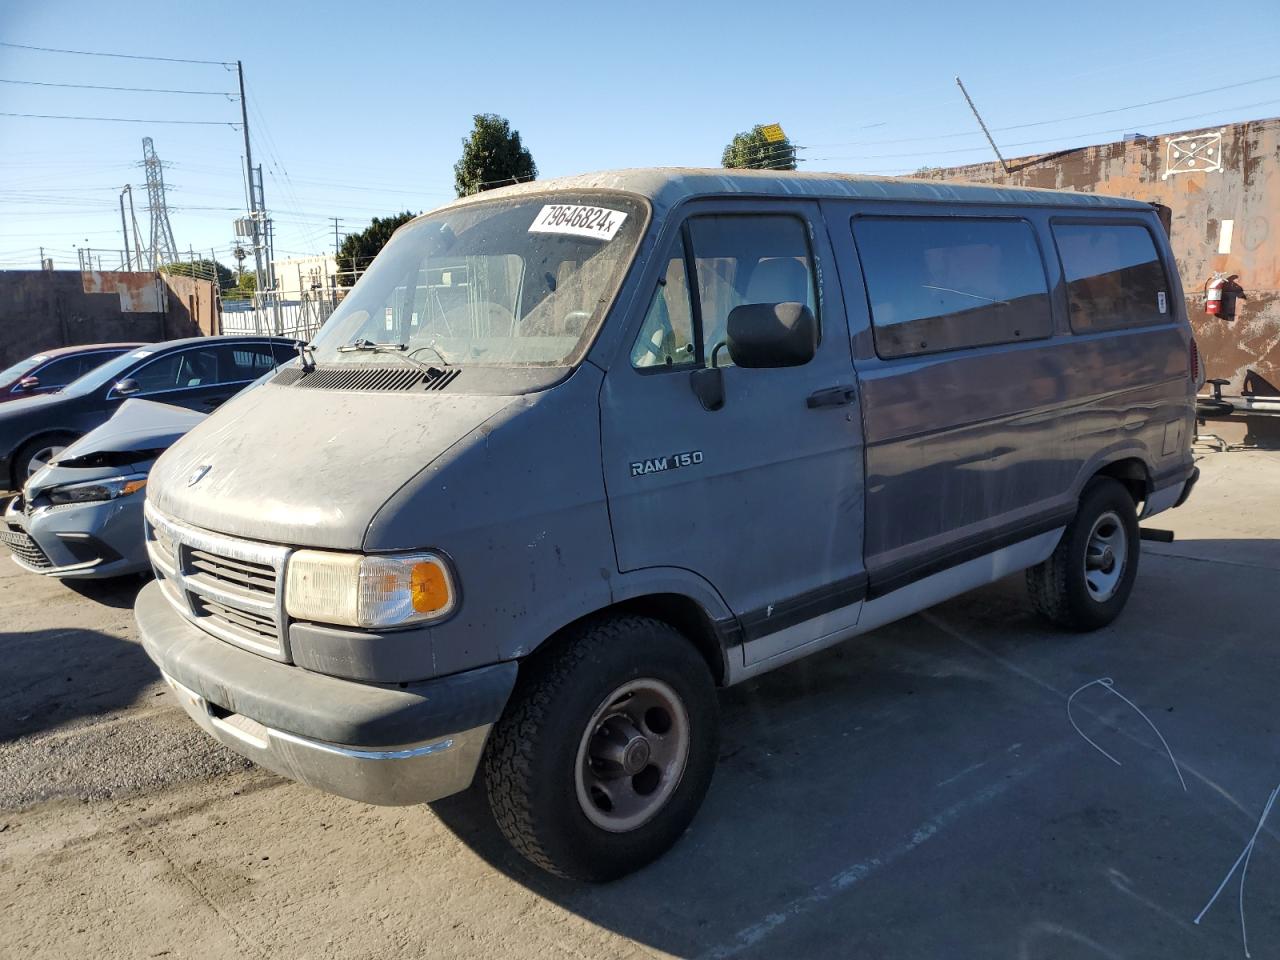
1114, 275
947, 284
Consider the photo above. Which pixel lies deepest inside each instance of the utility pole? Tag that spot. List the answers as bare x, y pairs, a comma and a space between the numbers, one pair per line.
133, 218
248, 162
336, 221
124, 229
1004, 166
42, 258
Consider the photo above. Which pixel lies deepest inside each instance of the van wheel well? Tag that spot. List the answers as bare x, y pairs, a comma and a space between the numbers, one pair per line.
677, 610
1132, 475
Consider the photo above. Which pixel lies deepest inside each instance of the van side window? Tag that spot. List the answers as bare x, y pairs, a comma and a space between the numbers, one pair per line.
947, 284
666, 339
1114, 275
748, 259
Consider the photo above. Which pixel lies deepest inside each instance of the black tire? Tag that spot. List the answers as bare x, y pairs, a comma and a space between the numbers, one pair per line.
27, 453
532, 758
1060, 587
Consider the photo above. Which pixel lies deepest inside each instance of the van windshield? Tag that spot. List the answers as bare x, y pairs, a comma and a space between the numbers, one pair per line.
520, 282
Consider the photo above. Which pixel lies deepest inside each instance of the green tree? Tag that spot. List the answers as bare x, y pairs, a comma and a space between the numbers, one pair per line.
201, 269
359, 249
492, 156
752, 151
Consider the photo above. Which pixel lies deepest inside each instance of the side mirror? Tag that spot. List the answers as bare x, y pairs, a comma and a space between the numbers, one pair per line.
28, 383
772, 334
127, 387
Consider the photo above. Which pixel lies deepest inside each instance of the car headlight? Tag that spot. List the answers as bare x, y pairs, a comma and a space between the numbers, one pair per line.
368, 591
96, 490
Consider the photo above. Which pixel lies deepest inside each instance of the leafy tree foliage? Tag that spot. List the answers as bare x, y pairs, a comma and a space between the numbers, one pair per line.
201, 270
492, 156
359, 249
750, 150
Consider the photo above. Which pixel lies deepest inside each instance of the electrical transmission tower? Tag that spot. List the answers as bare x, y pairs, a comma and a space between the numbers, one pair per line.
163, 249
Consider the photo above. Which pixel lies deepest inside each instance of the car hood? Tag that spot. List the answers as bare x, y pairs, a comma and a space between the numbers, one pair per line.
125, 443
309, 467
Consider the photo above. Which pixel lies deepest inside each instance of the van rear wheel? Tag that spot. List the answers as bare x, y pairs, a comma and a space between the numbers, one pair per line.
606, 750
1086, 581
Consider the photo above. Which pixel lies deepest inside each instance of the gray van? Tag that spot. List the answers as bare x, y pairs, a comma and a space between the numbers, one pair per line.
574, 453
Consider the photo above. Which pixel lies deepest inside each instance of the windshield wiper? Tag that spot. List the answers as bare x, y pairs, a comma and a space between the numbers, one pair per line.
362, 345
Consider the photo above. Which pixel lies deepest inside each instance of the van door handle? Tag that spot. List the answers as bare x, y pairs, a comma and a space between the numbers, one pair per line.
832, 397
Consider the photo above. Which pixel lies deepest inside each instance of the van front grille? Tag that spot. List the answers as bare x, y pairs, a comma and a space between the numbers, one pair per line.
366, 379
229, 587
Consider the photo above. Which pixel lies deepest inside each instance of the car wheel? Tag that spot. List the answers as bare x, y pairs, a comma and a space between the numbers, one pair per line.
606, 750
36, 454
1087, 580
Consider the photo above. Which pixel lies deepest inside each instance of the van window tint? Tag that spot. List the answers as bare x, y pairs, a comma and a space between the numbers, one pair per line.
666, 338
748, 259
1114, 275
936, 285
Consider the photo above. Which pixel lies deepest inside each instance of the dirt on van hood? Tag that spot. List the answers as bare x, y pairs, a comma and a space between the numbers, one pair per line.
308, 467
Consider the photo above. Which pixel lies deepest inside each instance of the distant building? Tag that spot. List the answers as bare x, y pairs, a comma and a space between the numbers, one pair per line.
1222, 185
299, 275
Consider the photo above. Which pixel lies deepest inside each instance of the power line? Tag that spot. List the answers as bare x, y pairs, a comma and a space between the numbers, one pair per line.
96, 86
59, 116
121, 56
1042, 123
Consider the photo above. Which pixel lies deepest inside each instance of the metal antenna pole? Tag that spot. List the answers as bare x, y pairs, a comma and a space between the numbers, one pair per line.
248, 162
124, 229
1004, 166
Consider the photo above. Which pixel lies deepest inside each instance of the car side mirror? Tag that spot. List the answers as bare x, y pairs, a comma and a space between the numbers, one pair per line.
127, 387
28, 383
772, 335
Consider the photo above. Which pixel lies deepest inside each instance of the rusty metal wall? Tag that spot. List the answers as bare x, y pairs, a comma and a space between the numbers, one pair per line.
1223, 186
41, 309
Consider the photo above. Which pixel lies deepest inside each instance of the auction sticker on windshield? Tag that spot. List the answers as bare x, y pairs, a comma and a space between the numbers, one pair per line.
580, 221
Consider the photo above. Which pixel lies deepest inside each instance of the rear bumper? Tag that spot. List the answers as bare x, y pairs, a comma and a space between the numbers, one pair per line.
387, 745
1172, 495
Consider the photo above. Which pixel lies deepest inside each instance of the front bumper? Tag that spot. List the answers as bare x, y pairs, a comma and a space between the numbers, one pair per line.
77, 541
382, 744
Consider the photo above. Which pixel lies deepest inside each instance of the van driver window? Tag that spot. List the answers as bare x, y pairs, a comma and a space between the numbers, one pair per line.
936, 285
739, 259
1114, 276
748, 259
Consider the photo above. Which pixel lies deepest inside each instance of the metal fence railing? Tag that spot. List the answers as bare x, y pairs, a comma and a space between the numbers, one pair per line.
269, 313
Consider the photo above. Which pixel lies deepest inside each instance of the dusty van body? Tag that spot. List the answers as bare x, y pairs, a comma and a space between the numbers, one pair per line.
575, 452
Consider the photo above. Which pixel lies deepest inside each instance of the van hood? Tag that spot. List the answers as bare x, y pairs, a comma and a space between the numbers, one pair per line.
309, 467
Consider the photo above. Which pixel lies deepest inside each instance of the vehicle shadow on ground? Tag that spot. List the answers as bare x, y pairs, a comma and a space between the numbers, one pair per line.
55, 676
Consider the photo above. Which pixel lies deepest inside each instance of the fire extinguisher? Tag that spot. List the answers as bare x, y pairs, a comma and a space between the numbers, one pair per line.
1213, 294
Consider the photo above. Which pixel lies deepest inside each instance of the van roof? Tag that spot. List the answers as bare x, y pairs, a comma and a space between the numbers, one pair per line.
667, 186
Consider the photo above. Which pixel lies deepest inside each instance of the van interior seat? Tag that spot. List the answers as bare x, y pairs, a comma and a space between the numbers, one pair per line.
778, 280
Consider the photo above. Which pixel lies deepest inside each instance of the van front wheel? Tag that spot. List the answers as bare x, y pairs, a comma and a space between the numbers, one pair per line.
605, 751
1087, 579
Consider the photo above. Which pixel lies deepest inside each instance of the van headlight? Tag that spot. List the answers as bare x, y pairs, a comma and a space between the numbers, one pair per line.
368, 591
96, 490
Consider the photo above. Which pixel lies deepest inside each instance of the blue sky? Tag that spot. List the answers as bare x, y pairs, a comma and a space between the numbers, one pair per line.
358, 109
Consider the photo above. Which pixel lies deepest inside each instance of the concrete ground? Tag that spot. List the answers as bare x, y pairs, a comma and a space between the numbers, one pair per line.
920, 792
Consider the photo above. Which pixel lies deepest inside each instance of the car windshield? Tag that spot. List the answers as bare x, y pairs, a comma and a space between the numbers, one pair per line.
109, 372
521, 282
20, 368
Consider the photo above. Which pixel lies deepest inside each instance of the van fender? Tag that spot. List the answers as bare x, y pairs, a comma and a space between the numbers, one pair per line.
1112, 454
634, 585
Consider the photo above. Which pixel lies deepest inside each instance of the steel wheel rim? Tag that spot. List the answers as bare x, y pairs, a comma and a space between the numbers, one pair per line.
1106, 555
632, 755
